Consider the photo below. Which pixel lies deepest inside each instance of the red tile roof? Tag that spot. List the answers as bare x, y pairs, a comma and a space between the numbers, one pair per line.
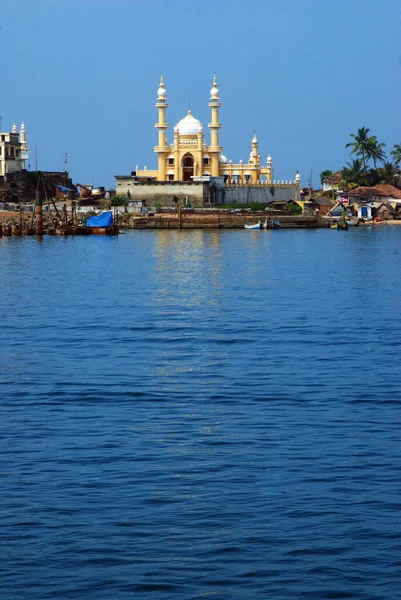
384, 190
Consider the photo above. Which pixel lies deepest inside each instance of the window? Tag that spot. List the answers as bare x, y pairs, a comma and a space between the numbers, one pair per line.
17, 153
205, 160
171, 161
170, 177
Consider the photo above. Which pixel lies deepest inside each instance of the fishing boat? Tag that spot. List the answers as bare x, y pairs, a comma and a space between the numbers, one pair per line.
253, 226
270, 224
340, 225
353, 222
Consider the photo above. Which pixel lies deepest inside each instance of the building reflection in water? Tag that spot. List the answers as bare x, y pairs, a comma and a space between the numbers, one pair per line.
201, 281
188, 298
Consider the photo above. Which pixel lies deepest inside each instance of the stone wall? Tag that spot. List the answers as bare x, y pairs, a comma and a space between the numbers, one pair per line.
200, 193
166, 193
245, 194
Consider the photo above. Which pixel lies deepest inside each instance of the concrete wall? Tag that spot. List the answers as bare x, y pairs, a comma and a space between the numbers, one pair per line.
247, 193
199, 193
165, 193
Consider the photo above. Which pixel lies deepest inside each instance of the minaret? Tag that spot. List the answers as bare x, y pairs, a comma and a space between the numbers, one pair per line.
269, 170
22, 139
14, 129
254, 160
162, 126
255, 149
214, 127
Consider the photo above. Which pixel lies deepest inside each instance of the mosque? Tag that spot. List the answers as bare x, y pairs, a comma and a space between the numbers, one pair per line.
189, 159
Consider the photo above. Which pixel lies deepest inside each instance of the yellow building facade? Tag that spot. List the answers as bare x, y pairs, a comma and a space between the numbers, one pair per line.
190, 156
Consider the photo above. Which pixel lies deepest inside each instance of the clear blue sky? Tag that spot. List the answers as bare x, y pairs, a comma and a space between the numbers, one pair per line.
83, 75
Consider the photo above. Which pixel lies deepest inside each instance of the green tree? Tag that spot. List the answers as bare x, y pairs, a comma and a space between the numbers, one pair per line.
360, 144
355, 172
396, 154
375, 150
325, 175
118, 201
388, 173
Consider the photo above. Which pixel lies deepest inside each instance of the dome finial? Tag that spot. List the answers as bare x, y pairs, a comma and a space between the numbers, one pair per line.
161, 92
214, 92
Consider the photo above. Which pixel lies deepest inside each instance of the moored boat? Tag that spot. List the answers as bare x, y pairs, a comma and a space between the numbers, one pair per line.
353, 222
253, 226
101, 225
270, 224
340, 225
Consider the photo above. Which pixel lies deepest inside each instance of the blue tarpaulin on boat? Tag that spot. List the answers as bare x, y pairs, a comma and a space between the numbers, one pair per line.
103, 220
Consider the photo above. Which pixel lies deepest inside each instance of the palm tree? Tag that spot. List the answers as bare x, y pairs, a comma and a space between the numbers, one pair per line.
388, 173
360, 144
375, 151
353, 173
396, 154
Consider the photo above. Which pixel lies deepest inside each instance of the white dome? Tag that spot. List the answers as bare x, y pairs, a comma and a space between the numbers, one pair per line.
189, 125
214, 92
161, 92
223, 159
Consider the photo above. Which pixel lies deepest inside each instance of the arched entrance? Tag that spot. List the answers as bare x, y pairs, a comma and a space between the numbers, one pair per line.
187, 167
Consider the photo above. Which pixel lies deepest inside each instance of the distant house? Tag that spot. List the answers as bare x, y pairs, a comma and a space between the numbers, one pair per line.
316, 206
324, 205
283, 205
332, 183
382, 200
339, 210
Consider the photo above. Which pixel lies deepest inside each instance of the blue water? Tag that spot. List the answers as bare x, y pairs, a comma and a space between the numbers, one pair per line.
195, 414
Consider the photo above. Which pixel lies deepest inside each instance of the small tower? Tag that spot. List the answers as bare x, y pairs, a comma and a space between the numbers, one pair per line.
22, 139
214, 127
269, 173
14, 129
161, 149
254, 160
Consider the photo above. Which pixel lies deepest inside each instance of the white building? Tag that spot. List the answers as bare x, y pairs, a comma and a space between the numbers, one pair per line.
13, 150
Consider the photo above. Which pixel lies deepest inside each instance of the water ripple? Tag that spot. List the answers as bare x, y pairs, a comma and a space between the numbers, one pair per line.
201, 414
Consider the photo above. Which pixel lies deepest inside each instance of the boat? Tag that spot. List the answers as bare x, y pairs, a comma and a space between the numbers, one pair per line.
340, 225
353, 222
253, 226
270, 224
101, 225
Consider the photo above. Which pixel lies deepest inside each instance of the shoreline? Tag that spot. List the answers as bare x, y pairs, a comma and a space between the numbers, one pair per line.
195, 221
